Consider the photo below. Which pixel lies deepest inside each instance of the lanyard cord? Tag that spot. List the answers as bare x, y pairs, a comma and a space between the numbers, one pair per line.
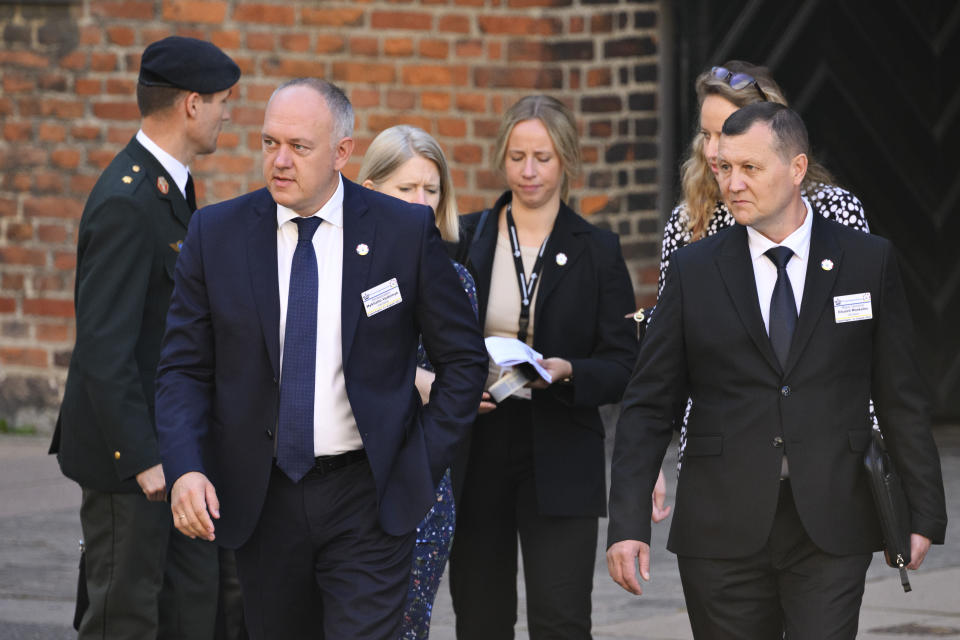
527, 287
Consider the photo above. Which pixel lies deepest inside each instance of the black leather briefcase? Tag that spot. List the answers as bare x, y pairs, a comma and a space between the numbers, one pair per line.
892, 507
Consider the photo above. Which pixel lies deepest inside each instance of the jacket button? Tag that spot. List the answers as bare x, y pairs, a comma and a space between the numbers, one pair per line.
269, 433
785, 390
778, 442
116, 455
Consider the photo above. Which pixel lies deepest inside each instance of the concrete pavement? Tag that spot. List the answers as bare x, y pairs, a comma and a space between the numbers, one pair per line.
39, 529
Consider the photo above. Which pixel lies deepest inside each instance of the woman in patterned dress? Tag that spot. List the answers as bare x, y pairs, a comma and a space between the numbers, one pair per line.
407, 163
701, 211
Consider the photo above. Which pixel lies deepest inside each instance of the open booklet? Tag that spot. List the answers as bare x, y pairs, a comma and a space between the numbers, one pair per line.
520, 364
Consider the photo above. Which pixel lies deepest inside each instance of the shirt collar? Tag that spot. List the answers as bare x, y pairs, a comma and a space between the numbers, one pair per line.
179, 172
331, 211
798, 241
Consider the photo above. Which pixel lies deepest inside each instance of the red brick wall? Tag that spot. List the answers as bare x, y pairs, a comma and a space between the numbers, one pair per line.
450, 66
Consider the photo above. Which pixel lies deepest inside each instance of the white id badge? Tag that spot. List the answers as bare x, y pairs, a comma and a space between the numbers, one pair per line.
383, 296
851, 308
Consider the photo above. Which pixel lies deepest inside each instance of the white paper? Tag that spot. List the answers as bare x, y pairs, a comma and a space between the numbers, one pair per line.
508, 352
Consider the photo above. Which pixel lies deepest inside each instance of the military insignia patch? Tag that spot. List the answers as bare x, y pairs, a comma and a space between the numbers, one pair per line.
163, 185
176, 245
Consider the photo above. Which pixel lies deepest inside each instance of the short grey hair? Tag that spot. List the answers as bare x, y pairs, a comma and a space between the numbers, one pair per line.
337, 102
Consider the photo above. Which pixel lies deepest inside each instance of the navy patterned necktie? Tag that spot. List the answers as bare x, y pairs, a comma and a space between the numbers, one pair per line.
783, 306
297, 377
191, 194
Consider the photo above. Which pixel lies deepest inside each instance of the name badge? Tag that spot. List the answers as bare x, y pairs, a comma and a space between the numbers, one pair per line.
851, 308
383, 296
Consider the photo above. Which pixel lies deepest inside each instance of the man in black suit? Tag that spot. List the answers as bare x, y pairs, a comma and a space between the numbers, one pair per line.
774, 523
144, 579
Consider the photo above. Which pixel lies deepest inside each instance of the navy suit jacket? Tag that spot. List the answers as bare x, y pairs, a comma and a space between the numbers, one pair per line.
217, 384
707, 341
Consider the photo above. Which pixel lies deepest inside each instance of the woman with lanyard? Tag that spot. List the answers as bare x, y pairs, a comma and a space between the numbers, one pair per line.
548, 278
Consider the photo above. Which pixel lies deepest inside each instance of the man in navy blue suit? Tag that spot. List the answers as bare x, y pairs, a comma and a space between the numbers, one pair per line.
290, 427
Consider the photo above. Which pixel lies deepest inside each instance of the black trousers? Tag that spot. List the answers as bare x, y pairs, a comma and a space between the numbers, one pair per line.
499, 503
790, 589
318, 565
144, 578
230, 624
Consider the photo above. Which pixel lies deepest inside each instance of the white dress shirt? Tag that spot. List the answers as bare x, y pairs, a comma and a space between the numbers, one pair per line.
765, 271
334, 426
179, 172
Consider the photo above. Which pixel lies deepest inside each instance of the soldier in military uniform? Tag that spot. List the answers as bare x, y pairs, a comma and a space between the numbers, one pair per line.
143, 578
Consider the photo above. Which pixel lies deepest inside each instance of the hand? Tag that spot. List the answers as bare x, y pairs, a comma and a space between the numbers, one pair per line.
558, 368
659, 511
919, 545
486, 403
153, 483
622, 559
193, 501
424, 382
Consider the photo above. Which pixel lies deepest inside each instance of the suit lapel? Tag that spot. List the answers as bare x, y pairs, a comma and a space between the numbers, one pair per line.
564, 245
736, 270
817, 285
359, 227
480, 256
262, 263
154, 172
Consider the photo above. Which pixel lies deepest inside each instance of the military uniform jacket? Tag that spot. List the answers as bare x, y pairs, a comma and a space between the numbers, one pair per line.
129, 238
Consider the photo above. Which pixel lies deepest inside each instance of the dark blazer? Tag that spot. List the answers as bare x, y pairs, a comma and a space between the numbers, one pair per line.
579, 316
707, 339
217, 386
127, 248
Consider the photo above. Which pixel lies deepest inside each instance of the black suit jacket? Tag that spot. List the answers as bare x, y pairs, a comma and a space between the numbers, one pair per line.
579, 316
218, 389
707, 339
129, 237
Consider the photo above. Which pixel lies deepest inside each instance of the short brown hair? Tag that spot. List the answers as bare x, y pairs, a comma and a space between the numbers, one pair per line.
154, 99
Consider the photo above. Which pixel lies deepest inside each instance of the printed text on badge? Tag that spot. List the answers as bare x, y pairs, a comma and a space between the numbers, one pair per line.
851, 308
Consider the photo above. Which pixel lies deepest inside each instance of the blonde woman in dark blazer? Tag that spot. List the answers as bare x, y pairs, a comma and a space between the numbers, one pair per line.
536, 463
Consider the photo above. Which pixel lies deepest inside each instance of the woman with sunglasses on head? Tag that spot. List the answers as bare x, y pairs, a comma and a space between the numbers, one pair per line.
536, 463
407, 163
701, 211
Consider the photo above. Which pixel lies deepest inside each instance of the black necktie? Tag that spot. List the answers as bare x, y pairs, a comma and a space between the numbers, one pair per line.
191, 194
298, 372
783, 307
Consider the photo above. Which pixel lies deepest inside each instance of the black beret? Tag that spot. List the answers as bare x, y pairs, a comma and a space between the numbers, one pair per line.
187, 63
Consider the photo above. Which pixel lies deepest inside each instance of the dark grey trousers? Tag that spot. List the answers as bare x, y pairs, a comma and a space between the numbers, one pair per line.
144, 578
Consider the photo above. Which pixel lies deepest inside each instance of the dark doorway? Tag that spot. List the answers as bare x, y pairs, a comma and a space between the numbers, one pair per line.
877, 83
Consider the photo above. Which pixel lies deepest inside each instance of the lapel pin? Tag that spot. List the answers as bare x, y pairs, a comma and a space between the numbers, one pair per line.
362, 249
176, 245
162, 185
126, 179
826, 265
136, 168
561, 258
